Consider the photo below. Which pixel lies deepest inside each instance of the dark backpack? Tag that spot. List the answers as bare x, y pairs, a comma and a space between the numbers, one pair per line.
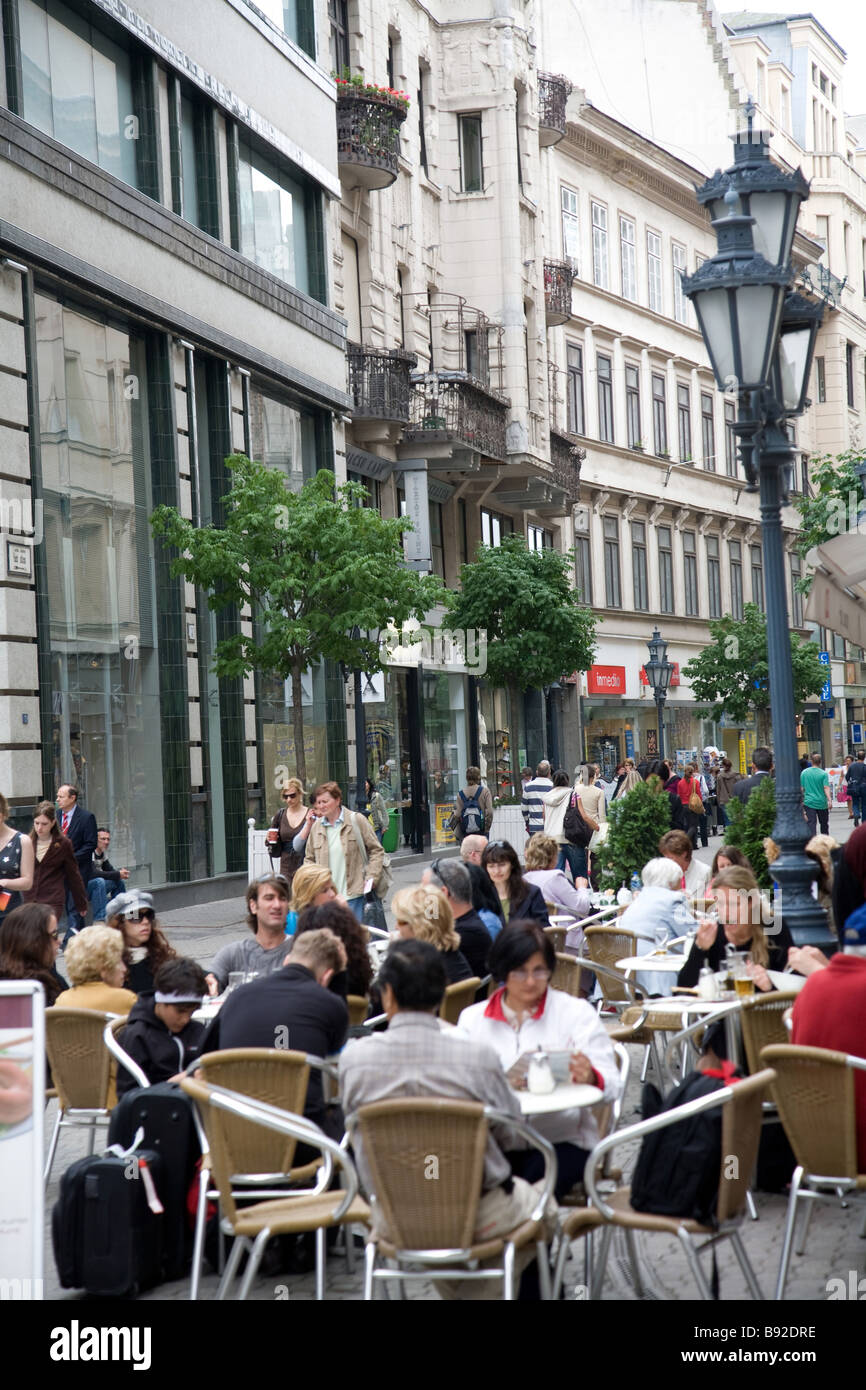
574, 827
677, 1170
471, 816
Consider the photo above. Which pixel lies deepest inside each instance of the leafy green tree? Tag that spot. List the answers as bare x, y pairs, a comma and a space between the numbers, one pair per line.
637, 822
312, 565
537, 629
731, 674
834, 506
750, 825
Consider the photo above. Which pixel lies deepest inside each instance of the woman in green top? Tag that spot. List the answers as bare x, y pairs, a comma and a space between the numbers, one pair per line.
519, 900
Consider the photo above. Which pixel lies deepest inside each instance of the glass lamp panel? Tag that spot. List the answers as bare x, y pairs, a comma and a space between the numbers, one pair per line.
758, 311
792, 360
772, 233
713, 311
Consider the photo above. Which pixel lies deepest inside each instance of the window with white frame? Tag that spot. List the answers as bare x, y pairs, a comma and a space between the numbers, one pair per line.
796, 596
471, 157
654, 271
538, 539
690, 573
666, 570
574, 374
730, 439
583, 568
570, 227
627, 258
639, 566
714, 576
632, 405
678, 257
684, 422
613, 592
605, 398
600, 268
708, 433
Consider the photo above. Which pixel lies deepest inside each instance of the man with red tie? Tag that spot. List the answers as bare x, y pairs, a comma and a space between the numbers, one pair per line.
79, 826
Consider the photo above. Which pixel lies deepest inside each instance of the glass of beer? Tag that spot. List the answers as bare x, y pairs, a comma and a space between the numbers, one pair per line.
744, 985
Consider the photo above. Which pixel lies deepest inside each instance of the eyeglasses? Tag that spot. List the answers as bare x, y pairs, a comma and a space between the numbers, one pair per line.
542, 976
290, 796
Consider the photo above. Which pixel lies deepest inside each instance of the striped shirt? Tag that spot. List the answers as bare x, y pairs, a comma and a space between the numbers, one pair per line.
532, 804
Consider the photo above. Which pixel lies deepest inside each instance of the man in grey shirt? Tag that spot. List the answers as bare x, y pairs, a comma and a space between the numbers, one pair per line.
267, 948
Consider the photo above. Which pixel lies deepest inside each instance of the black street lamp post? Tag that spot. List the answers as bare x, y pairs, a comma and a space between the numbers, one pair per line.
760, 338
658, 672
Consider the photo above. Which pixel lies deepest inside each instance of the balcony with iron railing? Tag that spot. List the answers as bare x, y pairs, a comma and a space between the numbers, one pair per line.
819, 279
558, 276
379, 383
553, 94
566, 456
368, 136
453, 408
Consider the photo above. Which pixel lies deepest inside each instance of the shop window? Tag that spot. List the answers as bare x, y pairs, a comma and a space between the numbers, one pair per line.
284, 437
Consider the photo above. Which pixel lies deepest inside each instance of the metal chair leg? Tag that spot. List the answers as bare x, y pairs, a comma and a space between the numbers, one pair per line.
601, 1265
695, 1265
587, 1263
634, 1263
349, 1234
230, 1270
52, 1148
253, 1263
369, 1266
198, 1241
91, 1138
559, 1267
543, 1257
790, 1222
800, 1245
645, 1063
746, 1266
321, 1249
750, 1205
508, 1273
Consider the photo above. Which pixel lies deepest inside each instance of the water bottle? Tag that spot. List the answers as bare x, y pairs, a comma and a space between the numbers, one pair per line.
636, 884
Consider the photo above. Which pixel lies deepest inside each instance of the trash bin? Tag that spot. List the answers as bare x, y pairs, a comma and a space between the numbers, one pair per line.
392, 835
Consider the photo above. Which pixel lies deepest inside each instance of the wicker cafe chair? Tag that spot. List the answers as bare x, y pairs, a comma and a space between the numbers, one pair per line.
606, 945
458, 997
567, 975
228, 1119
741, 1127
762, 1021
814, 1090
556, 934
358, 1006
81, 1070
432, 1224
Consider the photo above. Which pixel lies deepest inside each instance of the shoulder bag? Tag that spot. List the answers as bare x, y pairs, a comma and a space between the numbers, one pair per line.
385, 879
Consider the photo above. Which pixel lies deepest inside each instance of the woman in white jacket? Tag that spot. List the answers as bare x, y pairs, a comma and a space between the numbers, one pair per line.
526, 1014
555, 806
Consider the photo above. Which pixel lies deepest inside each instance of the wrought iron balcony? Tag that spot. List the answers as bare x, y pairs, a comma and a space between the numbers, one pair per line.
379, 383
450, 407
824, 283
566, 456
553, 93
558, 276
368, 137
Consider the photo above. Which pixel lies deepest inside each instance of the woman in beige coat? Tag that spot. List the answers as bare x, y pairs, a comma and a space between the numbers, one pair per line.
592, 797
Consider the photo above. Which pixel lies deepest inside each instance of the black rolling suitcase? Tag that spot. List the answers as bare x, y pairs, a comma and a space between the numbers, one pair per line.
165, 1114
107, 1224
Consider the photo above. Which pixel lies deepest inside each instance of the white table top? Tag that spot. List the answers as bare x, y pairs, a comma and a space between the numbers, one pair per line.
688, 1003
668, 961
562, 1097
787, 981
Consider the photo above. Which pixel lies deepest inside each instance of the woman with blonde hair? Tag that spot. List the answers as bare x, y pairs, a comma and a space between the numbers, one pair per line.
424, 913
745, 921
822, 849
287, 822
96, 968
312, 886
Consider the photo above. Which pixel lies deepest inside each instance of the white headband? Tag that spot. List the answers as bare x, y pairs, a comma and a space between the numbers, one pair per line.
177, 998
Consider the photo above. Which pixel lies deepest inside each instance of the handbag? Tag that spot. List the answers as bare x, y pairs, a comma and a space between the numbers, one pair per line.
576, 826
383, 883
696, 806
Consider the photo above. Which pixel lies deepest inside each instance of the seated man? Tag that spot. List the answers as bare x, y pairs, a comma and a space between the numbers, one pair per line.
293, 1009
161, 1035
418, 1057
105, 881
266, 949
475, 940
829, 1012
677, 846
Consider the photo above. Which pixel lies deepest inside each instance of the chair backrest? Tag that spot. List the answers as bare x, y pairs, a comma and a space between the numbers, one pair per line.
358, 1006
741, 1135
112, 1036
567, 974
607, 1115
426, 1161
557, 934
79, 1060
458, 997
271, 1075
814, 1090
607, 945
762, 1018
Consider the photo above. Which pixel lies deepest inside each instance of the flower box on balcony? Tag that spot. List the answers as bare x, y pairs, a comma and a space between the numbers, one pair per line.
368, 135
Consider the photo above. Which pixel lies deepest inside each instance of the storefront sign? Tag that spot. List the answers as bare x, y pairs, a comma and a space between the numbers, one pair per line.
629, 743
652, 743
675, 674
442, 832
606, 680
22, 1053
856, 733
417, 541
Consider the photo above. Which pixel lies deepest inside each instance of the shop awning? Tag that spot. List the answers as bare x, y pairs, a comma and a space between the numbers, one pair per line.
837, 598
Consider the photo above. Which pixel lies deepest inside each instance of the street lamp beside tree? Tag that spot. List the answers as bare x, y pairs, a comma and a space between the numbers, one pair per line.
760, 338
658, 672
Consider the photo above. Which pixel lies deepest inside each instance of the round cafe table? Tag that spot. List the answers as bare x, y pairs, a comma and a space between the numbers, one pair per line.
565, 1096
668, 961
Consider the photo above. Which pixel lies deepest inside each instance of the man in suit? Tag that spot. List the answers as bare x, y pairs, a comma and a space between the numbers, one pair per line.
79, 826
762, 766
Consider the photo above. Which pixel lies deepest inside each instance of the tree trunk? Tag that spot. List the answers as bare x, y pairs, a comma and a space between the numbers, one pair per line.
298, 724
763, 722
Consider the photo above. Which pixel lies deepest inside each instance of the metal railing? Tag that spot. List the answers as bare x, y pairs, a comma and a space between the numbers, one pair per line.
558, 276
566, 456
368, 134
553, 94
379, 382
446, 406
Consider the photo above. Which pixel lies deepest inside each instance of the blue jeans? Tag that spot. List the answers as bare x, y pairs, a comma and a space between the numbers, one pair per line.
97, 892
356, 905
575, 857
858, 801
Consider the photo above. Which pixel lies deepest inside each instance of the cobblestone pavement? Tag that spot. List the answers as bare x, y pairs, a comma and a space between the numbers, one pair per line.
834, 1247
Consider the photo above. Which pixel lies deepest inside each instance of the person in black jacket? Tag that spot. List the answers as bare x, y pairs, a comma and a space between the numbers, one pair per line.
475, 940
105, 880
518, 899
291, 1008
746, 922
79, 827
161, 1034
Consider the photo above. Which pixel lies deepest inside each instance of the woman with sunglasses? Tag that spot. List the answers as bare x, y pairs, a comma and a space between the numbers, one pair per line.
525, 1014
55, 871
29, 943
517, 897
287, 822
145, 947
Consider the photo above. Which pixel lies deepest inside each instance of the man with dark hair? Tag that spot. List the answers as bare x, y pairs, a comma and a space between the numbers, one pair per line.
103, 874
267, 905
762, 766
161, 1034
452, 877
419, 1057
79, 827
485, 898
855, 779
815, 781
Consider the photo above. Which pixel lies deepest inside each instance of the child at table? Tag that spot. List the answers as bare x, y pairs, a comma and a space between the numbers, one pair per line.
162, 1036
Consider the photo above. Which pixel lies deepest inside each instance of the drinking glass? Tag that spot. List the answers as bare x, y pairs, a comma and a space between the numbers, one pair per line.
236, 977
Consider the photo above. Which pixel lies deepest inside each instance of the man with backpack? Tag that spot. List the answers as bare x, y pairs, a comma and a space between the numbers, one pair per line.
473, 809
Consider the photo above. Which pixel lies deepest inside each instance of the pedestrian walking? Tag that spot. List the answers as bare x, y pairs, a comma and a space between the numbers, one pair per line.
855, 779
816, 796
56, 876
532, 804
377, 811
16, 863
689, 793
342, 841
79, 827
287, 822
726, 780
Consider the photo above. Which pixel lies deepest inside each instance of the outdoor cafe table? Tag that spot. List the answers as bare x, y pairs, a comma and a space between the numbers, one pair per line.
565, 1096
692, 1005
669, 961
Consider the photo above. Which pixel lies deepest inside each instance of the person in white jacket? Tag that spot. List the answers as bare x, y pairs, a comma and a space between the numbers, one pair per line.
525, 1014
657, 914
555, 806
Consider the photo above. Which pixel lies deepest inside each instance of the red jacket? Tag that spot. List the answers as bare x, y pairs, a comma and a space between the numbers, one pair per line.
686, 789
53, 875
829, 1012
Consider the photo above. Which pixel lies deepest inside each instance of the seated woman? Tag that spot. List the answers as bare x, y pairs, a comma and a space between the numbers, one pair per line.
29, 943
517, 898
312, 886
526, 1014
542, 853
333, 915
728, 857
658, 914
424, 913
145, 947
746, 922
95, 965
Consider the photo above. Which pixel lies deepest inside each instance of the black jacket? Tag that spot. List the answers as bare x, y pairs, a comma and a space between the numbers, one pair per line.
103, 868
778, 945
484, 893
743, 790
82, 834
475, 941
159, 1053
288, 1009
531, 908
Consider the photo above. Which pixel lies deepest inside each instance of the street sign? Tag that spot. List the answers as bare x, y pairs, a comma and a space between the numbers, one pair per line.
824, 658
826, 691
829, 712
856, 733
629, 743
